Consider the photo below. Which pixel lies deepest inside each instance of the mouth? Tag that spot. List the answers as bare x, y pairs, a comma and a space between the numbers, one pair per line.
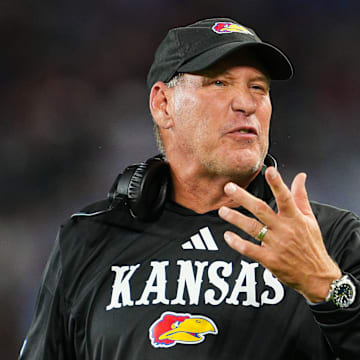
243, 132
246, 131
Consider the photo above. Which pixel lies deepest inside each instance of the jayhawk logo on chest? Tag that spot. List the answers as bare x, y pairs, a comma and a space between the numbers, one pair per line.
173, 328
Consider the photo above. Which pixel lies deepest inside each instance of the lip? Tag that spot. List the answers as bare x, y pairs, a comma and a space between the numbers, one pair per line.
243, 132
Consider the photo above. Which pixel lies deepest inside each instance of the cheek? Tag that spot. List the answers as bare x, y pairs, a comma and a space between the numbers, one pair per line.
184, 103
186, 115
190, 113
264, 115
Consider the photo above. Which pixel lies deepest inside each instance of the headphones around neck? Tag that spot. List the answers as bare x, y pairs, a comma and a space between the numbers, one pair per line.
144, 187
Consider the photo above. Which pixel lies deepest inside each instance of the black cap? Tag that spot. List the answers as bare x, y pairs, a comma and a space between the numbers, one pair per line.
197, 46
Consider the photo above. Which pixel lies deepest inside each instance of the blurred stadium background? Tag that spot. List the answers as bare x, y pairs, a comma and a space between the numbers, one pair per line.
73, 112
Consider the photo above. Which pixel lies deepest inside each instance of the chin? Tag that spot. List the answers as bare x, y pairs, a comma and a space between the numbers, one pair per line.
243, 172
235, 169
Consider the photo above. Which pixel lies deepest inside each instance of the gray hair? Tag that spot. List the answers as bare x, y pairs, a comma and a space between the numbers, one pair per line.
174, 81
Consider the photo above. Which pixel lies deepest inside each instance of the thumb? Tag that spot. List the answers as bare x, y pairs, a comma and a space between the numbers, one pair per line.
299, 193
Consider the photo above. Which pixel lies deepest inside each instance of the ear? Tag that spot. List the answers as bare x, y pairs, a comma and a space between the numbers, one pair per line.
160, 105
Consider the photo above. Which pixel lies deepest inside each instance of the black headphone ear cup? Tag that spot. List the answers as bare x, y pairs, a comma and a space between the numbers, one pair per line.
143, 188
148, 188
135, 185
270, 161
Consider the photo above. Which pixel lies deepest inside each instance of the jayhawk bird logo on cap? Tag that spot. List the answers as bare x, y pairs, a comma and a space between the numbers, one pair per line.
228, 27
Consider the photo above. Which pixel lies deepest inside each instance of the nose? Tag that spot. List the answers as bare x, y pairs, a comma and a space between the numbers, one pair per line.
243, 101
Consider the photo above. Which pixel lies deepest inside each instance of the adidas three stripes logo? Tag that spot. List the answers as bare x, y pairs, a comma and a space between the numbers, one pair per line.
201, 241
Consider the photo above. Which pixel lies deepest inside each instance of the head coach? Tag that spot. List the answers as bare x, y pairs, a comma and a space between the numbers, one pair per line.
146, 274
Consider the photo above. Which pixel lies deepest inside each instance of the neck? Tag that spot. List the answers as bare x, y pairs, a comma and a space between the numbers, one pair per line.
203, 192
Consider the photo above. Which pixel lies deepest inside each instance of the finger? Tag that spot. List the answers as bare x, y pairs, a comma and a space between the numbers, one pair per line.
255, 252
300, 195
249, 225
283, 196
256, 206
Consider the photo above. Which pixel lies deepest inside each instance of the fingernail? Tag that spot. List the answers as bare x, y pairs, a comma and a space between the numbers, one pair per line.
223, 211
272, 173
230, 188
227, 237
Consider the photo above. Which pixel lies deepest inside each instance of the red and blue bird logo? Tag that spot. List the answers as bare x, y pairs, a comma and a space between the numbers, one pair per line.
173, 328
228, 27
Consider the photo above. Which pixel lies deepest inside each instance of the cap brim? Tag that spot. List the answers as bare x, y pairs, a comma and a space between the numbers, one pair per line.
274, 61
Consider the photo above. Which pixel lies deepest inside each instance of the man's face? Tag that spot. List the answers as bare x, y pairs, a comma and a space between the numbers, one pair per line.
222, 117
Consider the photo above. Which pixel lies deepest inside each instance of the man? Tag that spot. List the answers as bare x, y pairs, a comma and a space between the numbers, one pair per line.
131, 280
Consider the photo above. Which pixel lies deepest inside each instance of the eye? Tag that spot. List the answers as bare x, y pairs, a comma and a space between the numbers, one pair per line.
260, 88
218, 83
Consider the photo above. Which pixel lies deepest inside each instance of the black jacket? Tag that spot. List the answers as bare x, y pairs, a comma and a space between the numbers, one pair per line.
118, 288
